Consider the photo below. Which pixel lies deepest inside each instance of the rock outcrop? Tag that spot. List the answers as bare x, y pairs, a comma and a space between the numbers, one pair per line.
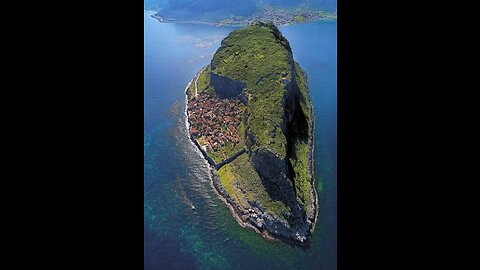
227, 88
273, 187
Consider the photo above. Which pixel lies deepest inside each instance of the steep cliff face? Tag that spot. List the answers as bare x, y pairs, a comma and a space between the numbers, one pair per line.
277, 173
274, 174
227, 88
271, 185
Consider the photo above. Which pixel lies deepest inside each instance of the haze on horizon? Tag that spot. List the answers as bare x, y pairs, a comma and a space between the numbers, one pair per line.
220, 8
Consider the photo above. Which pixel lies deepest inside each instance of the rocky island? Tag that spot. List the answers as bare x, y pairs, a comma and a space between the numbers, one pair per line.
250, 115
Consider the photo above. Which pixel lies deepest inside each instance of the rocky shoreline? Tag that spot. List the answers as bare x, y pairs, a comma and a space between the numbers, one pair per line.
241, 215
313, 215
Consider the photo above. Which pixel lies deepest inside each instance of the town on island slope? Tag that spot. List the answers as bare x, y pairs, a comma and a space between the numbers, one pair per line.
250, 115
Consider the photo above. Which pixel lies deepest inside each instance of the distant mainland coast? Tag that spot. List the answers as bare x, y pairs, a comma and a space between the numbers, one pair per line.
277, 16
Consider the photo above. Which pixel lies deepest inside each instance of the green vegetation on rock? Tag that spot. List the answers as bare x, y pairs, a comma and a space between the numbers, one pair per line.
301, 79
302, 184
260, 57
204, 82
191, 90
227, 177
299, 18
255, 64
250, 186
226, 152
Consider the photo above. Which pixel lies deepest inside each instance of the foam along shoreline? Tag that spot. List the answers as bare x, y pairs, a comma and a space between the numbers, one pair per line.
233, 206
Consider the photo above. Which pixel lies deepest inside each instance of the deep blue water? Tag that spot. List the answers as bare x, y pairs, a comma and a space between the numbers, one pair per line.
175, 175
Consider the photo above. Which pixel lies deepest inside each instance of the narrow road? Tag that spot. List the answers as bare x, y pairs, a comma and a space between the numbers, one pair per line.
196, 79
196, 83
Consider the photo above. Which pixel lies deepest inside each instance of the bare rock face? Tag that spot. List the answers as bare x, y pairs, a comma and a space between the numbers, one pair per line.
275, 176
227, 88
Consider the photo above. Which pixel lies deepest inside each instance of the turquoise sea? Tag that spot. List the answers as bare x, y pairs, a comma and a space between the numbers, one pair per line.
175, 175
